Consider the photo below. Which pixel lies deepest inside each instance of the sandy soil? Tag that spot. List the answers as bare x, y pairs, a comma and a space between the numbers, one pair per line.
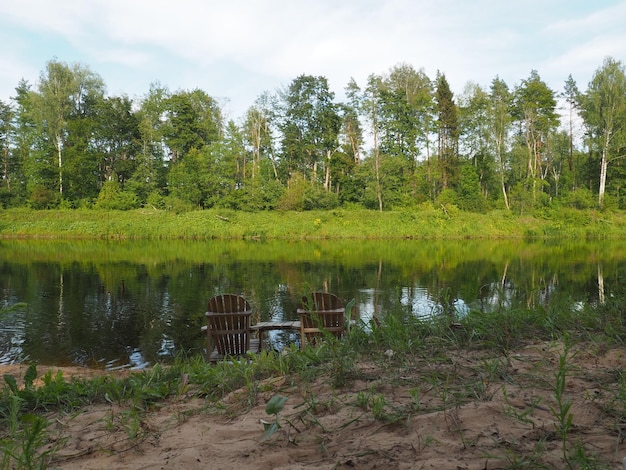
465, 411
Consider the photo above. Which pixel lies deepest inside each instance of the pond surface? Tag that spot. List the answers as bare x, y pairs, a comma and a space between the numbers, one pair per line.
131, 304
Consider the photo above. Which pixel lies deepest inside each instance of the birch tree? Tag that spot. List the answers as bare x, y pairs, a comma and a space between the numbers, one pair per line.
62, 94
603, 108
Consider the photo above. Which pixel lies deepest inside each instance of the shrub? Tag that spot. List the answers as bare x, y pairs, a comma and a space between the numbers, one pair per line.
43, 198
447, 196
112, 197
581, 198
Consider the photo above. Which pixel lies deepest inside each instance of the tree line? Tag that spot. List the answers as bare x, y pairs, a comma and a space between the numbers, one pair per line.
400, 140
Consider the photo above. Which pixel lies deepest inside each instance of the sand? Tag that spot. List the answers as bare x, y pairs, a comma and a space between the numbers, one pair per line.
469, 410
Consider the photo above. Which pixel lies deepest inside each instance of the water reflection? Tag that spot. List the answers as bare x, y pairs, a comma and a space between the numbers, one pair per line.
128, 305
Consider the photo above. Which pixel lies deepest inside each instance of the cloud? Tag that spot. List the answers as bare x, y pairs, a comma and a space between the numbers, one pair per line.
241, 48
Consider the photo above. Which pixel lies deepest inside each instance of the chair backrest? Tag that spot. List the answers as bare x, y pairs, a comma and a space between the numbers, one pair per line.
321, 312
228, 324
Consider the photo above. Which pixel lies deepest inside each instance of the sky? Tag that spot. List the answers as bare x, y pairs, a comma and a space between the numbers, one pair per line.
235, 50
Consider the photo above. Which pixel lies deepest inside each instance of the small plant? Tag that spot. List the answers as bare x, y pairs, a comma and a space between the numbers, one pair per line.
561, 411
29, 441
363, 400
274, 406
27, 434
416, 404
522, 416
378, 407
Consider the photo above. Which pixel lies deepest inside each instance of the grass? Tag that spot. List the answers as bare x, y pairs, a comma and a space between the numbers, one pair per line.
423, 223
442, 364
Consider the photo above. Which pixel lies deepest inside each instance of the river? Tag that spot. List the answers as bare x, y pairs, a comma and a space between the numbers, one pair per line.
129, 304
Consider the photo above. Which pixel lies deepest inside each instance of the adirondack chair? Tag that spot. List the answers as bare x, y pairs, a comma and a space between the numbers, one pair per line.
321, 313
228, 327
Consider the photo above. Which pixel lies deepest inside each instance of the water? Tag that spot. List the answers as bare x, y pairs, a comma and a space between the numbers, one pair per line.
131, 304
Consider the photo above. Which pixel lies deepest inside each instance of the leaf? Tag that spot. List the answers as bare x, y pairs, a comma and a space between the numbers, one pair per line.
11, 382
270, 429
275, 405
30, 376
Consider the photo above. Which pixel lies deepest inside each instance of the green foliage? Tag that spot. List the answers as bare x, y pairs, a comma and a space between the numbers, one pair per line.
447, 197
301, 195
258, 196
469, 192
112, 197
180, 221
43, 198
580, 198
64, 140
274, 407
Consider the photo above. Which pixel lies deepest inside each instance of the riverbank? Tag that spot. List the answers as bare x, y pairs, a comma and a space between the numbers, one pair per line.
428, 223
481, 410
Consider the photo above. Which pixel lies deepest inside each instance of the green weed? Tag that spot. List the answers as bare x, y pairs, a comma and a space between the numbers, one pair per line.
562, 411
274, 407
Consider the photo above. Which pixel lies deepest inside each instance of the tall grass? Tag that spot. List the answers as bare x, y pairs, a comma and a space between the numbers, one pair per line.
429, 223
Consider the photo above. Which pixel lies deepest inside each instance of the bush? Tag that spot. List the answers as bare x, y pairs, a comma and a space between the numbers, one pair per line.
155, 200
302, 195
447, 196
178, 206
581, 198
112, 197
43, 198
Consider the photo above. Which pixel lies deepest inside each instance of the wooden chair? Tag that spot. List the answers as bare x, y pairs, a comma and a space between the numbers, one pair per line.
321, 313
228, 327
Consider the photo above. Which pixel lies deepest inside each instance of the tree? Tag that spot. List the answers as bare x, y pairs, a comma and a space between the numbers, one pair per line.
351, 129
117, 139
24, 139
372, 105
193, 120
406, 118
258, 135
64, 94
150, 172
572, 97
310, 128
534, 107
407, 103
500, 122
7, 136
475, 142
448, 130
603, 108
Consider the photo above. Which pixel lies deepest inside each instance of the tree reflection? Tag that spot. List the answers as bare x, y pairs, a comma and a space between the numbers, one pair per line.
147, 303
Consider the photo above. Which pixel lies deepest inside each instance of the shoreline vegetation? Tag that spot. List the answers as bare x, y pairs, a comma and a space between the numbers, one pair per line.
213, 224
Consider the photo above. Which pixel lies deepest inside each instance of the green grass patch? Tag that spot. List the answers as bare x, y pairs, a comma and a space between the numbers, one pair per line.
333, 224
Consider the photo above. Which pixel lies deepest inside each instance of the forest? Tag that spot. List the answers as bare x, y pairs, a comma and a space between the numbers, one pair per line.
401, 140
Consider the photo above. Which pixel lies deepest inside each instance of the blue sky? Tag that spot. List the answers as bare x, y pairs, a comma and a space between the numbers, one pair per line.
237, 49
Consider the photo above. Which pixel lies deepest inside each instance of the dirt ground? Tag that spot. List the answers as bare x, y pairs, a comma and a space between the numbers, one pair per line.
468, 410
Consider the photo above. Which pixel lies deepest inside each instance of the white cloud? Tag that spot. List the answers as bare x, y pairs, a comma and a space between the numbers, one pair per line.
240, 48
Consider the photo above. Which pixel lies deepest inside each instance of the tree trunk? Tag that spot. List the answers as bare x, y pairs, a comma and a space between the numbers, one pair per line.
59, 145
500, 151
604, 163
6, 168
603, 167
329, 154
571, 140
377, 168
